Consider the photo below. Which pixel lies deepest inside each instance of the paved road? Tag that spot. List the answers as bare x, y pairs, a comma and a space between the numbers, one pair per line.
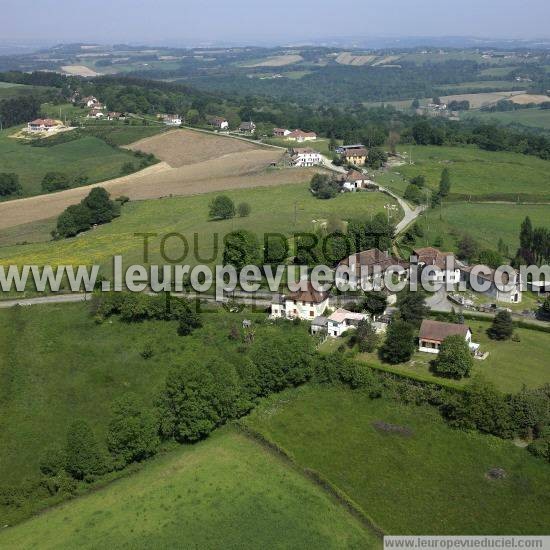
52, 299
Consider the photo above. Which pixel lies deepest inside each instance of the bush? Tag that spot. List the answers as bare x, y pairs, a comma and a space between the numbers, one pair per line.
133, 432
243, 210
241, 248
414, 194
55, 181
399, 344
324, 186
84, 456
9, 184
53, 461
222, 207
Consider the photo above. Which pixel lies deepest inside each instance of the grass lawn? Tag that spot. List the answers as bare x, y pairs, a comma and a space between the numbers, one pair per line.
476, 173
87, 156
283, 209
226, 492
431, 482
487, 223
509, 365
9, 90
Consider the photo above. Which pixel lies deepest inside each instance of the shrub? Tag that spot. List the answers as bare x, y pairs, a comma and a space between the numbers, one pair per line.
502, 327
222, 207
84, 457
399, 344
55, 181
9, 184
243, 209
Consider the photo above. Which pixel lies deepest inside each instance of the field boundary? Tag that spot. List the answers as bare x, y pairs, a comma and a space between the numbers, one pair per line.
311, 475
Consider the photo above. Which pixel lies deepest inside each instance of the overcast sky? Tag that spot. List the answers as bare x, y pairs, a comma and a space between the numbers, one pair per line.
278, 21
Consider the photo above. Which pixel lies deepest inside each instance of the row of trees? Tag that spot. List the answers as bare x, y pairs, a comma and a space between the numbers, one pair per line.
222, 207
534, 243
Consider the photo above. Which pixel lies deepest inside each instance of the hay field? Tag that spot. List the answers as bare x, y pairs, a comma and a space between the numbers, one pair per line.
79, 70
525, 99
347, 58
219, 163
479, 100
277, 61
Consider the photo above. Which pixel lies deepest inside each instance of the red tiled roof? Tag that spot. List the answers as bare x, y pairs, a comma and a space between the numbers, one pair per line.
438, 331
310, 295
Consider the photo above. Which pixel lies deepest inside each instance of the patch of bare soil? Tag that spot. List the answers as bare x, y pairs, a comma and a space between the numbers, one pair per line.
385, 427
496, 473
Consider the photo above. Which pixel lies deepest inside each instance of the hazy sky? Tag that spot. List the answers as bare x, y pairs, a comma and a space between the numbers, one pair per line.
279, 21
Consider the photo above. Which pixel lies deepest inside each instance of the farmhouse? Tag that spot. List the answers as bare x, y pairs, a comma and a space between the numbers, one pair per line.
355, 156
280, 132
218, 122
304, 156
432, 334
355, 180
172, 120
342, 320
247, 128
43, 125
340, 150
300, 135
447, 270
319, 325
113, 115
484, 277
96, 113
302, 304
368, 267
89, 101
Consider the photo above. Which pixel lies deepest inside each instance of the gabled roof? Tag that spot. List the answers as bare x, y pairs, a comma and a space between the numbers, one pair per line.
44, 122
355, 175
303, 151
438, 331
247, 126
340, 315
310, 295
362, 152
300, 133
370, 258
432, 256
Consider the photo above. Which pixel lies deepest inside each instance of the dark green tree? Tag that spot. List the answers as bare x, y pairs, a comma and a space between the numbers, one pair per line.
412, 307
243, 209
375, 303
445, 183
133, 431
222, 207
399, 344
9, 184
455, 359
84, 456
241, 248
502, 327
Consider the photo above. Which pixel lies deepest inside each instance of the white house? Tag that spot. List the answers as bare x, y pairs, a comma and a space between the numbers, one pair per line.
304, 156
432, 334
355, 180
342, 320
303, 304
447, 269
368, 268
43, 125
218, 122
89, 101
299, 136
484, 276
280, 132
172, 120
96, 113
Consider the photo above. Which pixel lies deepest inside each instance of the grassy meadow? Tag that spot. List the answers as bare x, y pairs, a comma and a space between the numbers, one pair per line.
486, 222
476, 173
226, 492
509, 366
283, 209
87, 156
430, 482
534, 118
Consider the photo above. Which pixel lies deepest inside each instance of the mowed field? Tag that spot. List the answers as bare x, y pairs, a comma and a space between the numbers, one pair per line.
431, 481
88, 156
486, 222
476, 173
191, 167
283, 208
534, 118
226, 492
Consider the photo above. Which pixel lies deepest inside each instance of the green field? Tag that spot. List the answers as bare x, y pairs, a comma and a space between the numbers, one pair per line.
486, 222
284, 209
478, 174
534, 118
431, 482
226, 492
9, 90
509, 366
87, 156
493, 85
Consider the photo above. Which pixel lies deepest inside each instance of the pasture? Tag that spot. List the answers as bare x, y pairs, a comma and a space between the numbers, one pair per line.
486, 222
533, 118
478, 174
87, 156
430, 479
226, 492
509, 366
283, 209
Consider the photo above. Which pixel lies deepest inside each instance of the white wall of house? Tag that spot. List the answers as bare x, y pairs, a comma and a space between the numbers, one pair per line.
433, 346
291, 309
307, 159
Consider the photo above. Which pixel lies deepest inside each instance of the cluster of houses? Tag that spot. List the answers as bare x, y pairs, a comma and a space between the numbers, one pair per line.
98, 110
294, 135
221, 123
369, 267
